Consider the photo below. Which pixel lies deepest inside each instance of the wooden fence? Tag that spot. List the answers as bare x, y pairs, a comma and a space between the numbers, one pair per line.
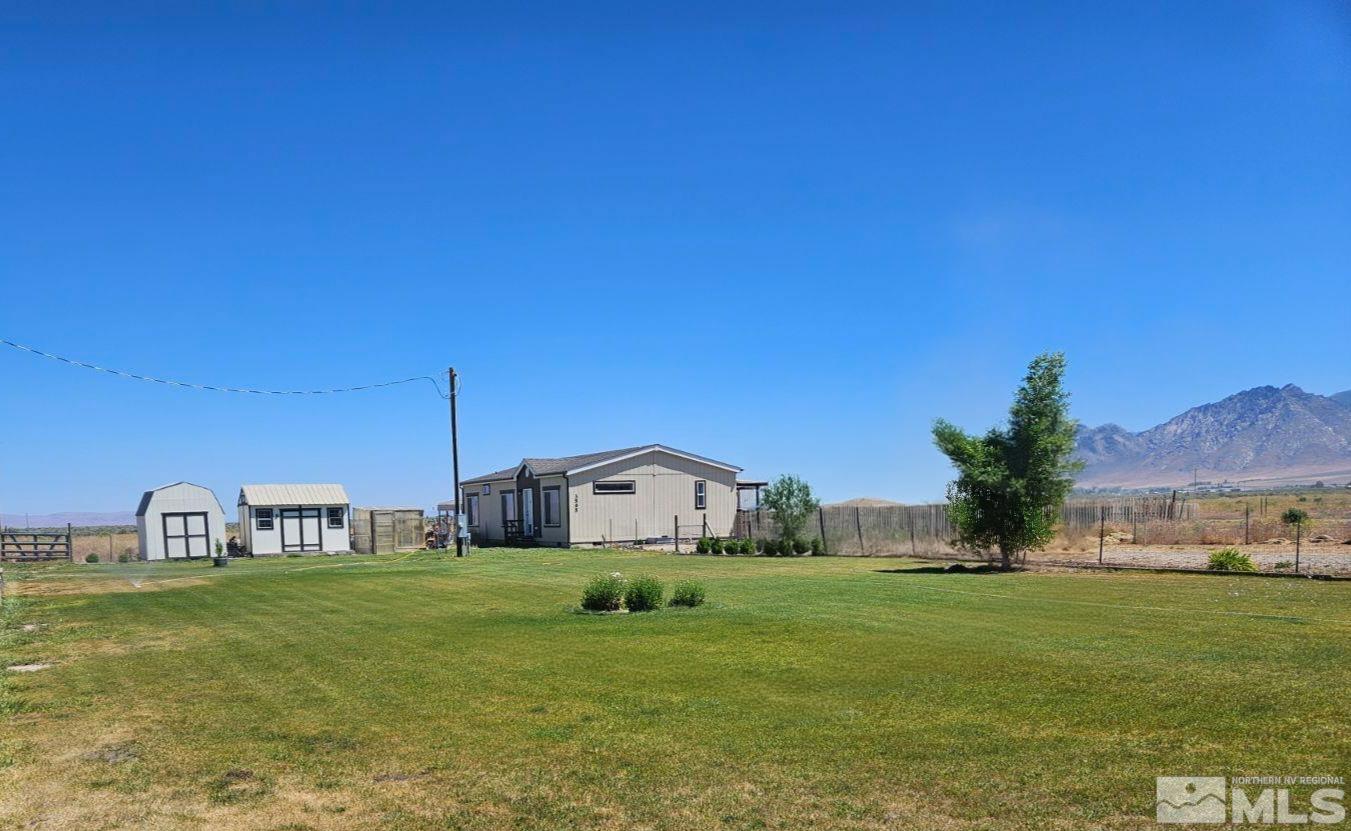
34, 547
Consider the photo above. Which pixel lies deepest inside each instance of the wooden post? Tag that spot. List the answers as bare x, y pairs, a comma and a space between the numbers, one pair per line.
677, 533
1298, 528
858, 525
821, 523
110, 546
910, 519
1102, 531
705, 531
1247, 511
70, 548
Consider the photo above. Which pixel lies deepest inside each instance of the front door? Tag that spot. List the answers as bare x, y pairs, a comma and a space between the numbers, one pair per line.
508, 509
186, 535
528, 512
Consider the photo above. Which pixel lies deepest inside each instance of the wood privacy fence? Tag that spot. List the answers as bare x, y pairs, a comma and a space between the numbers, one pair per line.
926, 529
30, 547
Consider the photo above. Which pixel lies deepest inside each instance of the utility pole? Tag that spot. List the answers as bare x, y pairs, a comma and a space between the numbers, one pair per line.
455, 463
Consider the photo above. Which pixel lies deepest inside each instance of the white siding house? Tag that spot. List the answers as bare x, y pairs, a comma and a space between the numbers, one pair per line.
294, 519
179, 521
635, 493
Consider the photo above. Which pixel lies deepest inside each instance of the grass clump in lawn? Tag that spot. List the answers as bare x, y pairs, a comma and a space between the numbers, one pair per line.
604, 593
1230, 559
689, 593
644, 594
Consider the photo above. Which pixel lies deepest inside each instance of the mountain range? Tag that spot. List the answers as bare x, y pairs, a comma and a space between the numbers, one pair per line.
1259, 437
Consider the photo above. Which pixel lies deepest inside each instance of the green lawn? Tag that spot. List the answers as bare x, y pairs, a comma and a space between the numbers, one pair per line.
809, 693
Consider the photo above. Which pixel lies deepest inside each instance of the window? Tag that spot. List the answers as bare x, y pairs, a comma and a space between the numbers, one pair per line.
614, 487
552, 507
335, 517
263, 518
471, 508
700, 495
487, 490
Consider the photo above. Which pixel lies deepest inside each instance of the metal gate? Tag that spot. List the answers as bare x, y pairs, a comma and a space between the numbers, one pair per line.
29, 547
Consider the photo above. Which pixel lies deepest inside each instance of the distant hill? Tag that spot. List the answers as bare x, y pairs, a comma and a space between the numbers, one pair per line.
79, 519
1342, 397
864, 502
1264, 434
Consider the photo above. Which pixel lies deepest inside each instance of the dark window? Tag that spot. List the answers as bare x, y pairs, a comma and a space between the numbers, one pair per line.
700, 495
335, 517
471, 504
552, 506
627, 486
487, 489
263, 517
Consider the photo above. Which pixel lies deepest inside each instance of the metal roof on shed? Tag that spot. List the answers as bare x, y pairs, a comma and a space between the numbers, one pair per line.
266, 495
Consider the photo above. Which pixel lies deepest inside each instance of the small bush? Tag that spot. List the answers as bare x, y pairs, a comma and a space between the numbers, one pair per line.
91, 558
687, 593
715, 545
703, 546
748, 547
762, 546
769, 548
1230, 559
1284, 565
603, 594
801, 546
818, 547
123, 558
644, 594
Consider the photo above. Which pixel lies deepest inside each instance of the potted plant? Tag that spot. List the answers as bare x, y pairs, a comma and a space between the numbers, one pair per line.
220, 560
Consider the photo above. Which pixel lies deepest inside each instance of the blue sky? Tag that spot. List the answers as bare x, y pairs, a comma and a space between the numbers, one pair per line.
787, 235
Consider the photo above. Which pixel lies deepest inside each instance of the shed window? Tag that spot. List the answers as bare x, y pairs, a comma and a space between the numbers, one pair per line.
626, 486
471, 508
263, 518
487, 489
552, 507
700, 495
335, 517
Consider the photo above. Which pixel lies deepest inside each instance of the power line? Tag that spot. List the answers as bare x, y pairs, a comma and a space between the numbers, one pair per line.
214, 387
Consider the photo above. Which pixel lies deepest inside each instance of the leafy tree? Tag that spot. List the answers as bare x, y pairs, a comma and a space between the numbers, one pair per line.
1296, 518
792, 502
1012, 481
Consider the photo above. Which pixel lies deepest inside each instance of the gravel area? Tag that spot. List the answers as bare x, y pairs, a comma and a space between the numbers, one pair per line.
1313, 559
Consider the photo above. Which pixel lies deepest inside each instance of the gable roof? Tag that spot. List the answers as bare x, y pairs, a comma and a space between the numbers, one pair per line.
585, 461
273, 495
150, 494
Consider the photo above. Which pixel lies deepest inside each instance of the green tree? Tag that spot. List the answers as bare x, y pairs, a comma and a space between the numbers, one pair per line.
792, 502
1296, 518
1012, 481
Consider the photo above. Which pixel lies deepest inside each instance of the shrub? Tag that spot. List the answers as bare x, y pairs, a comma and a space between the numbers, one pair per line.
1230, 559
748, 547
644, 594
91, 558
603, 593
818, 547
769, 548
762, 546
1284, 565
800, 546
703, 546
123, 558
687, 593
715, 545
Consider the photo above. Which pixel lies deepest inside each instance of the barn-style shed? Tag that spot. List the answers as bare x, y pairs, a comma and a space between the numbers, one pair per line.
179, 521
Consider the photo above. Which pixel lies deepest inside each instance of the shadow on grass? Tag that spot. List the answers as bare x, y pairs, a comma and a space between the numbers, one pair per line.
955, 568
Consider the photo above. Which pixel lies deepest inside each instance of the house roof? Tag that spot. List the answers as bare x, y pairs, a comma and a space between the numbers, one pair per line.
266, 495
585, 461
150, 494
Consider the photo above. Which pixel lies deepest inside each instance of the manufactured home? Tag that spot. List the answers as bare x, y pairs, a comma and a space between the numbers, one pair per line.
181, 521
294, 519
626, 495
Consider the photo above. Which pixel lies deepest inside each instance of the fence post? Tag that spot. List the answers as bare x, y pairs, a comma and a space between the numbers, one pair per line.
1247, 510
821, 523
705, 521
1298, 527
677, 533
858, 525
70, 547
1102, 531
910, 520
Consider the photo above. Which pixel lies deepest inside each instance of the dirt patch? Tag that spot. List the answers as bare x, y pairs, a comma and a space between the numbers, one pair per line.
29, 667
114, 754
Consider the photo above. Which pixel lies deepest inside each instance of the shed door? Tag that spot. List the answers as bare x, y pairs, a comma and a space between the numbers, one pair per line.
186, 535
300, 530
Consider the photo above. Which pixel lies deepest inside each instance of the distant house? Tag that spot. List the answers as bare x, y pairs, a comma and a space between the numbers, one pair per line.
179, 522
294, 519
635, 493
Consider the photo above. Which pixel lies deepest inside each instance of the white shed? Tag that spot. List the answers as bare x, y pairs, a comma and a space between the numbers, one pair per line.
294, 519
179, 521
